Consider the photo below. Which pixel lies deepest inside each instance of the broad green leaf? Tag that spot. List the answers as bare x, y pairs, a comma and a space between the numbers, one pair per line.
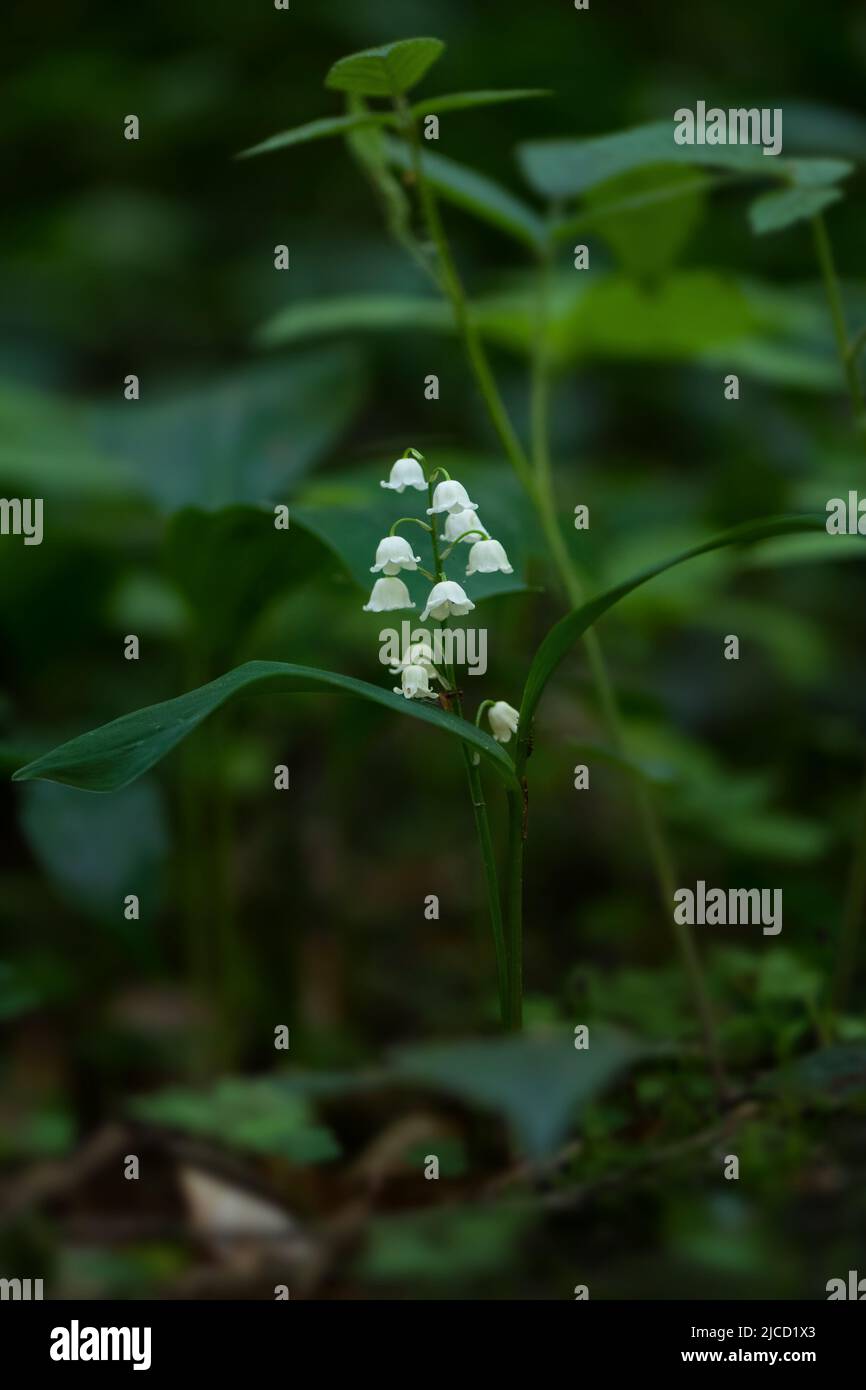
255, 1115
227, 598
647, 238
462, 101
772, 212
111, 757
475, 193
561, 638
317, 130
351, 313
244, 438
93, 849
537, 1082
565, 168
387, 71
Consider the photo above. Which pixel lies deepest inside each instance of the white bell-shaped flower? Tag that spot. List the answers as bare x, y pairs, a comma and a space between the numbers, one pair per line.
446, 598
488, 557
457, 523
418, 654
415, 684
388, 594
450, 496
393, 554
406, 473
503, 721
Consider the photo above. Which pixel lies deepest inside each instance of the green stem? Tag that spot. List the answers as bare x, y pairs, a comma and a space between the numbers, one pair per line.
514, 900
855, 897
482, 822
538, 484
647, 814
832, 289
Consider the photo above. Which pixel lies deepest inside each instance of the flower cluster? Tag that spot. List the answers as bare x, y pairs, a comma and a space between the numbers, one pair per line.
461, 524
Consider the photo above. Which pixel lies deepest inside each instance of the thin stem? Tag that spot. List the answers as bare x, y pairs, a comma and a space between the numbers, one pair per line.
647, 814
538, 484
480, 710
514, 900
453, 288
832, 289
401, 521
485, 840
855, 897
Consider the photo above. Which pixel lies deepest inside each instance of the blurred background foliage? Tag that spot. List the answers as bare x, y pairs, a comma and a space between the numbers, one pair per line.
156, 1037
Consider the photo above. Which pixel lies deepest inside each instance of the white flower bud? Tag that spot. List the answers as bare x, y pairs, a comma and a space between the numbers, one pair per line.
450, 496
488, 557
503, 721
394, 553
446, 598
406, 473
388, 594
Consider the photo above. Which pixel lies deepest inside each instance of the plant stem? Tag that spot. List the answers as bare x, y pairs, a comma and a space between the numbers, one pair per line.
855, 897
537, 480
833, 291
514, 899
482, 822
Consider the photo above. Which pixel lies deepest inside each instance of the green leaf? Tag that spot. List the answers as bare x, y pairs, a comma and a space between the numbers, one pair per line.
450, 1246
565, 168
93, 849
116, 754
386, 71
833, 1073
561, 638
536, 1082
242, 438
348, 313
475, 193
772, 212
227, 598
317, 130
257, 1115
462, 101
646, 232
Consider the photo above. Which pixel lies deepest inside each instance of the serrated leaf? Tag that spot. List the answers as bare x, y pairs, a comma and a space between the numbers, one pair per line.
565, 168
772, 212
387, 71
537, 1082
475, 193
320, 129
111, 757
462, 101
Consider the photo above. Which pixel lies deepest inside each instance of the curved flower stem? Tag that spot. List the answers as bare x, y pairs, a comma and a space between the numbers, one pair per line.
483, 534
855, 896
401, 520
